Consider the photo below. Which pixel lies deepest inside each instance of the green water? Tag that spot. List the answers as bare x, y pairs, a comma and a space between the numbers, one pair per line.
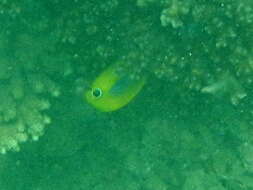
190, 127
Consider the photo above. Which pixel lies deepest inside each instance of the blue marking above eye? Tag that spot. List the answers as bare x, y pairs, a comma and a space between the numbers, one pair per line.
122, 85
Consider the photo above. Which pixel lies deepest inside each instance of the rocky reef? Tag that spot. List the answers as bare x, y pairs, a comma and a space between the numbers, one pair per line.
27, 77
191, 128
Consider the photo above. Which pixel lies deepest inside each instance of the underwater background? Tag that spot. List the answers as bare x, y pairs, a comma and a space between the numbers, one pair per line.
189, 128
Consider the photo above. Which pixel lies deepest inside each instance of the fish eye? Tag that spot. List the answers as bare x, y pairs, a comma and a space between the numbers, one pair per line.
97, 92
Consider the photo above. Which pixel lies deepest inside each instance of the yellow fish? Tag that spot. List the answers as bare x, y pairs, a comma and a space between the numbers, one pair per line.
111, 91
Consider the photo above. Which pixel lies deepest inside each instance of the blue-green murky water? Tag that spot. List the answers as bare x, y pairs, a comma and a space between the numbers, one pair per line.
189, 128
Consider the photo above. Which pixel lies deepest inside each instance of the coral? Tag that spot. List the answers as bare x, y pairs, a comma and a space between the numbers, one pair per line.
191, 129
226, 85
26, 84
171, 15
204, 41
22, 108
197, 180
